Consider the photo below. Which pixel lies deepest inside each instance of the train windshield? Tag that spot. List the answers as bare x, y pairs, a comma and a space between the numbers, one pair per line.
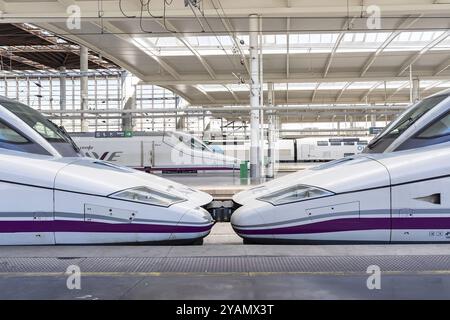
55, 135
402, 123
199, 145
192, 142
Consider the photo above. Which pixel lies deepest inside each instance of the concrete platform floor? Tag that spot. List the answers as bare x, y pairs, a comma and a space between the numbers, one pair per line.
194, 272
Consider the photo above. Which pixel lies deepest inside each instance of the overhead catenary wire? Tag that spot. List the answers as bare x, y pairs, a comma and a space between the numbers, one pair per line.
233, 34
141, 13
166, 3
150, 13
233, 64
145, 6
195, 14
123, 12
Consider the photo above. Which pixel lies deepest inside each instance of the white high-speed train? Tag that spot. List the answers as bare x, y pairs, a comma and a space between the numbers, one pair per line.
299, 150
422, 124
397, 191
154, 151
50, 194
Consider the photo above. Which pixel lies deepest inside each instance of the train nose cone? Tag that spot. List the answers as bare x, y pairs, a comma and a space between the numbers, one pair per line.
197, 216
245, 221
194, 225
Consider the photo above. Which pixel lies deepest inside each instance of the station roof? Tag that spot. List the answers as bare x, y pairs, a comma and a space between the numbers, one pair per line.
27, 48
313, 52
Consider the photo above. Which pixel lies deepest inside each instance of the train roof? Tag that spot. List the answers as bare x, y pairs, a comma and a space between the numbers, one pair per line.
135, 133
445, 92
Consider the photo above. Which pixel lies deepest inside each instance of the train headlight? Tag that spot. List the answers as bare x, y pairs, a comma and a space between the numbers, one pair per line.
294, 194
147, 196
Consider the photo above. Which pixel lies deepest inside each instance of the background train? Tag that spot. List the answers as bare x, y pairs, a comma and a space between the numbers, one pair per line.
182, 152
297, 150
154, 151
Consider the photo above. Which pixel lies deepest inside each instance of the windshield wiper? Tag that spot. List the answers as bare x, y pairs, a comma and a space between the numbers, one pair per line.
66, 136
69, 138
407, 122
374, 142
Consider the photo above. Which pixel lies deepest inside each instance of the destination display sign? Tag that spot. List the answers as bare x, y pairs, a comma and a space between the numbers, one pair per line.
113, 134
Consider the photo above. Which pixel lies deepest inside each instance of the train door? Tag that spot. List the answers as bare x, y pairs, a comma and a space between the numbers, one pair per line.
421, 208
304, 151
148, 154
166, 151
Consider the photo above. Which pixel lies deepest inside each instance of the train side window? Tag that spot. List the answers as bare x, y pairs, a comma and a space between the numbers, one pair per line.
322, 143
349, 143
362, 143
334, 143
435, 133
9, 135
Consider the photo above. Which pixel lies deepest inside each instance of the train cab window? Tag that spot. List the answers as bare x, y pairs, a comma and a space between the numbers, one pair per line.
436, 132
189, 141
45, 131
197, 145
322, 143
11, 139
8, 135
394, 130
56, 136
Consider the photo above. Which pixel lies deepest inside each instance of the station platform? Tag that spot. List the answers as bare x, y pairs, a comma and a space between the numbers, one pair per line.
223, 185
224, 268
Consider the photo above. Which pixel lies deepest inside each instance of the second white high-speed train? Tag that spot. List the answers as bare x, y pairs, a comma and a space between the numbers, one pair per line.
155, 151
399, 194
298, 150
50, 194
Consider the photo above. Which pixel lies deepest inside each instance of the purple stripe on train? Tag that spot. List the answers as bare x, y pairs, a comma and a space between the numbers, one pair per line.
84, 226
354, 224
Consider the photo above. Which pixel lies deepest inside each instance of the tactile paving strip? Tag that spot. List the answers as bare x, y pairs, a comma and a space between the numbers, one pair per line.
278, 264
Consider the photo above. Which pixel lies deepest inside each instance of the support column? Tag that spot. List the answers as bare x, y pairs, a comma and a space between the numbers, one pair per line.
255, 169
127, 120
272, 154
373, 120
415, 90
128, 100
62, 89
180, 123
84, 85
262, 137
